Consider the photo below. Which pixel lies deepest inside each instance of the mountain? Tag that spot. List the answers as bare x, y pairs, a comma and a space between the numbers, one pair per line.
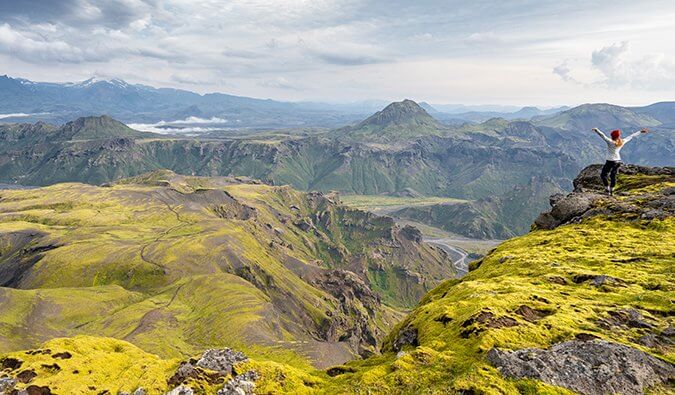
398, 121
400, 149
95, 128
180, 264
136, 103
588, 116
526, 113
664, 112
587, 291
496, 217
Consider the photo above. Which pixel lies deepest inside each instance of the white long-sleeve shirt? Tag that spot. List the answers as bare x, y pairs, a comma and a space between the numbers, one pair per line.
614, 152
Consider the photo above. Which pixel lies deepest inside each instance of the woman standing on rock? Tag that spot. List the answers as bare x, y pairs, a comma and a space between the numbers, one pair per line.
613, 162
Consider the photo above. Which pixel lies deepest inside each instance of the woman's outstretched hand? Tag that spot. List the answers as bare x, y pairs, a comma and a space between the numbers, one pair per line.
644, 130
596, 129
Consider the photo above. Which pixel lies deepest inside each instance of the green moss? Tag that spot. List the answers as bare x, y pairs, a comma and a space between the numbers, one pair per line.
518, 273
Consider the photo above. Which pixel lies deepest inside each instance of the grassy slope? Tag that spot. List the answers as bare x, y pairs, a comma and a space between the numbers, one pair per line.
518, 273
174, 277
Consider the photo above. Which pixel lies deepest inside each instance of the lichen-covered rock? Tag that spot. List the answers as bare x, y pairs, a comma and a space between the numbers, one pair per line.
243, 384
587, 367
212, 366
6, 385
221, 361
181, 390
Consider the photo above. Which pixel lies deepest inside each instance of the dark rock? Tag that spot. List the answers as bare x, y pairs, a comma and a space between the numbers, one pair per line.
558, 280
585, 337
62, 355
598, 280
51, 367
567, 209
480, 318
25, 376
443, 319
625, 317
588, 367
486, 320
10, 363
406, 336
338, 370
35, 390
502, 322
532, 315
411, 233
653, 340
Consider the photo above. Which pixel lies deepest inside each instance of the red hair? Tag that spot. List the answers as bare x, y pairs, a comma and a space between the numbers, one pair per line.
616, 136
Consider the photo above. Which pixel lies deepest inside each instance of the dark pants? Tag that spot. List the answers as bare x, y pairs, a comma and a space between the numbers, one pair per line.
610, 168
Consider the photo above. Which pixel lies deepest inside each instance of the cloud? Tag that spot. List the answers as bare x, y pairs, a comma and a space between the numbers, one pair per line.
34, 48
564, 71
278, 83
187, 125
621, 68
190, 79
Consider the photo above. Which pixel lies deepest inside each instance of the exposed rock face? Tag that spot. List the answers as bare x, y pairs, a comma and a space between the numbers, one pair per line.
357, 300
587, 367
405, 337
588, 199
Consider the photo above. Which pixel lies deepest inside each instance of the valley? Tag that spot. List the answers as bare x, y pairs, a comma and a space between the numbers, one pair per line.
369, 256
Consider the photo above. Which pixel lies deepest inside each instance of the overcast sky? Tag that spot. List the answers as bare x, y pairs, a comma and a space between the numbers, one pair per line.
470, 52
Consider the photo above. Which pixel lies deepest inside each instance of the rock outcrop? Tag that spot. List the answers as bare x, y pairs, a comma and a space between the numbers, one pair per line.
589, 199
587, 367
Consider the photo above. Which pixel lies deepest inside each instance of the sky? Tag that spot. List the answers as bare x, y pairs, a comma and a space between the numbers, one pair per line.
517, 52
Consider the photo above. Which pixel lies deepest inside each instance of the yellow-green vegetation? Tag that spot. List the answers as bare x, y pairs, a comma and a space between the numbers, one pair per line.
89, 364
546, 287
570, 279
177, 264
86, 364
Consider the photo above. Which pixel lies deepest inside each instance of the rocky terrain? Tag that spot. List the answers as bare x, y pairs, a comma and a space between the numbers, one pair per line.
581, 304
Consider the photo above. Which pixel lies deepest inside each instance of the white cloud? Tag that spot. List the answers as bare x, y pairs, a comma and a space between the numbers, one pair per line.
278, 83
621, 67
187, 125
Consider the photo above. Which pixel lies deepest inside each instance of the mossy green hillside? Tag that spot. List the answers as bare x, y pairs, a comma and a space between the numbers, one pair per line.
89, 364
179, 264
552, 273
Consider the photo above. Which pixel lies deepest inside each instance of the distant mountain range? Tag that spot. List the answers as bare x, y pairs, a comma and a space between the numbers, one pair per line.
22, 100
400, 150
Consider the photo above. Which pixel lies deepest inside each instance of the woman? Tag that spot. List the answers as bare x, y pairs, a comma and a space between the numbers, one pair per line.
614, 145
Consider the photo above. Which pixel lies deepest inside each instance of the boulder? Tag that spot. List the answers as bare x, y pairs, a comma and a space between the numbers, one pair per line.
593, 367
221, 361
181, 390
6, 385
243, 384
